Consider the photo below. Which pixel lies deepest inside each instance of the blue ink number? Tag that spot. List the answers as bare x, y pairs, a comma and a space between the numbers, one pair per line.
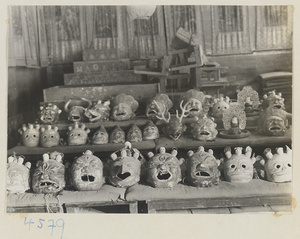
41, 223
29, 223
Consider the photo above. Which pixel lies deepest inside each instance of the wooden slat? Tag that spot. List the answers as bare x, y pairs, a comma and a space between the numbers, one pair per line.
222, 210
100, 55
98, 66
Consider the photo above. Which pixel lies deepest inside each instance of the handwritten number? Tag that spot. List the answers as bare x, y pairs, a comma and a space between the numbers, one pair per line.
30, 222
52, 225
41, 224
61, 223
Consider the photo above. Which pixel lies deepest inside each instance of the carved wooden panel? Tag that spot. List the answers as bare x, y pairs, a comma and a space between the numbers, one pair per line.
100, 55
98, 66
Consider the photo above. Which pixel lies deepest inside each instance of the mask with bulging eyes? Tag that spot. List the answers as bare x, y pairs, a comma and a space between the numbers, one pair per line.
134, 134
30, 135
204, 129
100, 136
220, 106
150, 131
117, 135
49, 175
202, 168
49, 137
49, 113
125, 168
18, 175
163, 169
124, 107
87, 172
78, 134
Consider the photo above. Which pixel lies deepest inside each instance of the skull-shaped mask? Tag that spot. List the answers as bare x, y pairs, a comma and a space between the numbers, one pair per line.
98, 112
125, 169
49, 113
204, 128
134, 134
278, 167
30, 135
163, 169
202, 168
220, 106
76, 108
150, 131
157, 106
49, 136
124, 107
18, 175
273, 100
49, 175
195, 101
87, 172
117, 135
238, 167
100, 136
78, 134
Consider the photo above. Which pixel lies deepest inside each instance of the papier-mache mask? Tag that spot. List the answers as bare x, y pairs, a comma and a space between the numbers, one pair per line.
100, 136
125, 167
195, 101
100, 111
278, 166
150, 131
220, 106
117, 135
87, 172
49, 136
49, 113
78, 134
204, 128
49, 175
157, 106
124, 107
76, 108
18, 175
238, 167
202, 168
134, 134
248, 98
273, 100
163, 169
30, 135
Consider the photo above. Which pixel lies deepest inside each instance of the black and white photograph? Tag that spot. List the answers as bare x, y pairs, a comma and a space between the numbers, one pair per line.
148, 109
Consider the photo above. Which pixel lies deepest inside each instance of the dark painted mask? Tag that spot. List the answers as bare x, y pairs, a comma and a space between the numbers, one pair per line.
134, 134
204, 129
87, 172
30, 135
76, 108
98, 112
150, 131
100, 136
49, 113
124, 107
49, 137
158, 106
78, 134
117, 135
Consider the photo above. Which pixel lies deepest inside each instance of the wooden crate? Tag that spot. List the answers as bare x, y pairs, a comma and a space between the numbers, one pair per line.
98, 66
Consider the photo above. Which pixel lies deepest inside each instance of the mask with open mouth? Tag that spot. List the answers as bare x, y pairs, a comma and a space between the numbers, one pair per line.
163, 169
87, 172
30, 136
78, 134
273, 100
157, 106
204, 128
49, 136
125, 167
117, 135
100, 136
49, 113
124, 107
49, 175
196, 102
76, 108
98, 112
202, 168
150, 131
134, 134
220, 106
278, 166
238, 167
18, 175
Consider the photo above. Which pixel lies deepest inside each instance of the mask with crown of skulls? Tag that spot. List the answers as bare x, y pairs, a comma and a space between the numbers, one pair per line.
204, 128
30, 135
273, 100
49, 136
78, 134
220, 106
49, 113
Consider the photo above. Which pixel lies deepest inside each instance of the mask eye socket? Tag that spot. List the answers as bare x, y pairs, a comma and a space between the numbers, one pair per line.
278, 166
244, 166
78, 134
34, 136
232, 166
289, 165
44, 136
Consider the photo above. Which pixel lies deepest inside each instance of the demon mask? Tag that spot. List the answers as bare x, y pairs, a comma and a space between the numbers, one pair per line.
98, 112
100, 136
157, 106
134, 134
204, 128
78, 134
124, 107
273, 100
49, 137
49, 113
202, 168
125, 167
49, 175
278, 167
195, 101
117, 135
163, 169
150, 131
220, 106
87, 172
76, 108
238, 167
248, 98
30, 135
18, 175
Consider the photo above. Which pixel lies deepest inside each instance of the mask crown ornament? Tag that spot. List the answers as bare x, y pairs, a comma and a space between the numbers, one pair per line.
78, 134
30, 135
204, 128
195, 101
248, 98
87, 172
76, 108
134, 134
49, 113
163, 169
18, 174
100, 111
125, 166
150, 131
49, 136
278, 166
238, 167
157, 106
220, 106
273, 100
124, 107
49, 175
117, 135
100, 136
